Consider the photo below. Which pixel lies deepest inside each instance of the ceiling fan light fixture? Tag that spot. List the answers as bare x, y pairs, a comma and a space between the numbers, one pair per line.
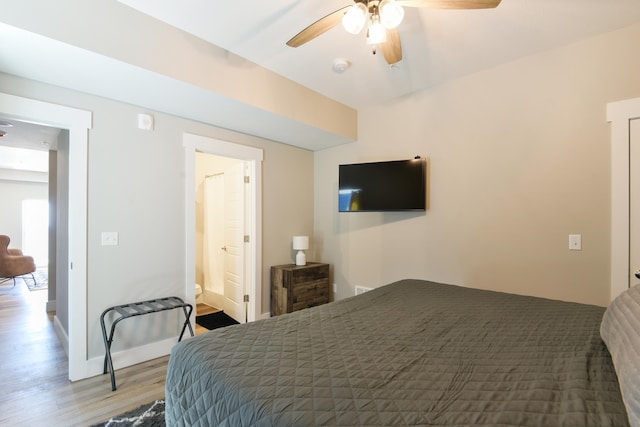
391, 13
355, 18
376, 34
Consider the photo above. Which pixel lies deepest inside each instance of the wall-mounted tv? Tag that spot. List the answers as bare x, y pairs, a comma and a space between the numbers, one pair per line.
399, 185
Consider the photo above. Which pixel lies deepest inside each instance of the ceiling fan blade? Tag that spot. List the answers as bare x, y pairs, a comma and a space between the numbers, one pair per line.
392, 48
318, 28
451, 4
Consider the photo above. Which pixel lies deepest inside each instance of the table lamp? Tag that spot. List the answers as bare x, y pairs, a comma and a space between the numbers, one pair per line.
301, 244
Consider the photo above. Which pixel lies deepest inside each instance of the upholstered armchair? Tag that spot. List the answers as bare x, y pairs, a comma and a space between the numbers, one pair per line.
13, 262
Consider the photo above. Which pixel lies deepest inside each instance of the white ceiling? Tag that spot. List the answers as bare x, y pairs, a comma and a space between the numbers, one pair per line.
32, 136
439, 45
25, 146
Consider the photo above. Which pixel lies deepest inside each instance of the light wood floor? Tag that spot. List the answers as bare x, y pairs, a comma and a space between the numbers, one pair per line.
202, 309
34, 385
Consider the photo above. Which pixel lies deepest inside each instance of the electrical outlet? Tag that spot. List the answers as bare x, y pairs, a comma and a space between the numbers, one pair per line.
362, 289
335, 288
575, 242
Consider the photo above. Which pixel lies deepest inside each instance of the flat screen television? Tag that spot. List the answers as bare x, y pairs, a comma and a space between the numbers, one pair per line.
398, 185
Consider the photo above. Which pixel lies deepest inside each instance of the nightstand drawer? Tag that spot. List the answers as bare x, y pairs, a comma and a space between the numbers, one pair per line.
306, 275
309, 294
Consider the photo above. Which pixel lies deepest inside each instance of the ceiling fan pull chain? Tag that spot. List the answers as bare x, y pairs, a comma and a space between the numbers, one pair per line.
373, 46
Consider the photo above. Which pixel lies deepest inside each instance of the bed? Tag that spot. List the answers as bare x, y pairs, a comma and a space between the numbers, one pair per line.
409, 353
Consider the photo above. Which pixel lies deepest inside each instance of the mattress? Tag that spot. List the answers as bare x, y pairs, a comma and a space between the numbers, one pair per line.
410, 353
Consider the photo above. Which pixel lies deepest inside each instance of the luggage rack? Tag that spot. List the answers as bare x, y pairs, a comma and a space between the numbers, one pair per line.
126, 311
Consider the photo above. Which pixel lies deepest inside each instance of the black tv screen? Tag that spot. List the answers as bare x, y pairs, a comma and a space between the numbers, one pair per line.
398, 185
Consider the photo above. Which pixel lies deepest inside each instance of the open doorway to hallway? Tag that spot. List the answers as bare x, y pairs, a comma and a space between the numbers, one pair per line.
25, 166
69, 294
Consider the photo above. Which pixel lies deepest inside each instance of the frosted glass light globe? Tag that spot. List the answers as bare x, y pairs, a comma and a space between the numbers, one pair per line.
391, 13
355, 18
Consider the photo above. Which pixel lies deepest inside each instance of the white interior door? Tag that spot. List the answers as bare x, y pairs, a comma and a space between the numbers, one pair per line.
234, 231
634, 201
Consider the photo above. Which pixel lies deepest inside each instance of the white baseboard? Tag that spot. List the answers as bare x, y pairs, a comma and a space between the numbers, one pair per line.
62, 335
133, 356
265, 315
51, 306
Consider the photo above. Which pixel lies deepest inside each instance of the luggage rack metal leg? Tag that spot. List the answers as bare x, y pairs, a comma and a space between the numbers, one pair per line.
137, 309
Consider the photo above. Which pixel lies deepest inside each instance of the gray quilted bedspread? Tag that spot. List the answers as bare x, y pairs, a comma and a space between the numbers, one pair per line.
411, 353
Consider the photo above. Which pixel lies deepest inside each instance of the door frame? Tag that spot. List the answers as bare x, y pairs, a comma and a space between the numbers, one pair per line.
78, 122
619, 114
253, 156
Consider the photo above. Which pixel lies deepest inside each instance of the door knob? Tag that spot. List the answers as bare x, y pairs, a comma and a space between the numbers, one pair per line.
224, 248
637, 273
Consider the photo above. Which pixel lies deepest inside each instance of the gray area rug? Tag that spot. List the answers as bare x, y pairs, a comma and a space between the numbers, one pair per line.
149, 415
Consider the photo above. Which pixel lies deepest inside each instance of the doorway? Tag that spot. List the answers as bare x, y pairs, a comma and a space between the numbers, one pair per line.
624, 117
72, 254
251, 239
221, 222
24, 185
634, 202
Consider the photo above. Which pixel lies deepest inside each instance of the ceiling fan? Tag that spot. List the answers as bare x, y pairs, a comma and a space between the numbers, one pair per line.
382, 18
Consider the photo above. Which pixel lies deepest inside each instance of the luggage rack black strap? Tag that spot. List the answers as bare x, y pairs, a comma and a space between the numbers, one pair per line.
126, 311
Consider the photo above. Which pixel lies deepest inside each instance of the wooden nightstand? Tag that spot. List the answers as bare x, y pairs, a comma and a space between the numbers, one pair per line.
294, 287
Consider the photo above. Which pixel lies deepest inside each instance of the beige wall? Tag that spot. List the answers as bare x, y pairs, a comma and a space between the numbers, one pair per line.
519, 158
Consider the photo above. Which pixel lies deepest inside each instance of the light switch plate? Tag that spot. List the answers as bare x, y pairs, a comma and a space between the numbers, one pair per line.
109, 238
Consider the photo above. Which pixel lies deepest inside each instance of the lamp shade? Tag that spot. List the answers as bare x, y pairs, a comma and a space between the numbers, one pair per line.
300, 243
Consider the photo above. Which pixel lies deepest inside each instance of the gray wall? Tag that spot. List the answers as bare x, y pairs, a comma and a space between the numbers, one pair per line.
136, 186
62, 230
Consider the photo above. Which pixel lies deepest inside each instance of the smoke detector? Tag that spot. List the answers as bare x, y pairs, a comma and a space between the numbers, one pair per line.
340, 65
